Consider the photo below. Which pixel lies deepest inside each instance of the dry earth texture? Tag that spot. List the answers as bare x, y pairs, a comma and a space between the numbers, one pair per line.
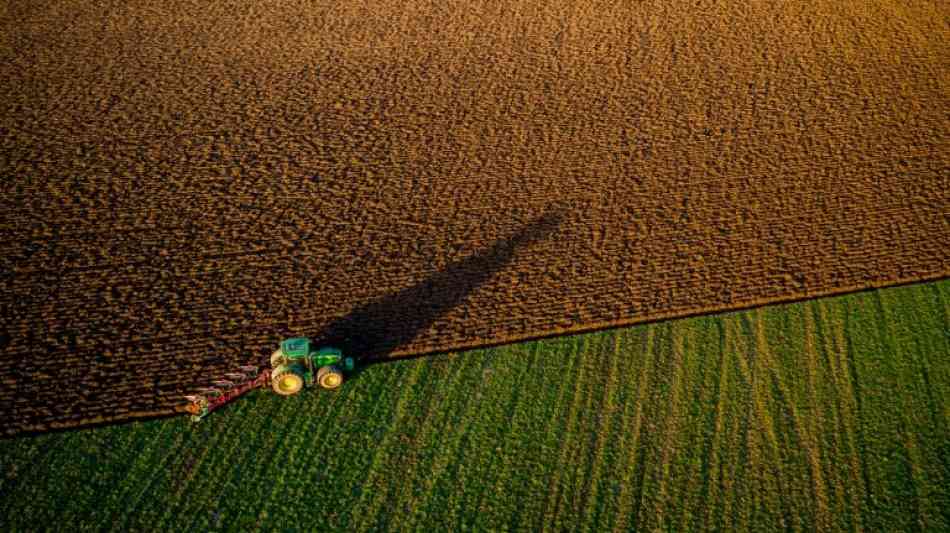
184, 183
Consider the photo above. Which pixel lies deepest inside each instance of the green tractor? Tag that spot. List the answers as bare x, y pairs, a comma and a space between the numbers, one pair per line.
296, 364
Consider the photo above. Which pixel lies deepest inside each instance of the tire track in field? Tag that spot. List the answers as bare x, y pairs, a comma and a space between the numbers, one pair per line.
622, 415
846, 409
843, 436
266, 434
470, 457
315, 428
186, 462
133, 479
452, 453
609, 402
854, 417
834, 432
371, 508
760, 453
909, 443
696, 397
738, 452
407, 468
587, 432
671, 425
553, 501
656, 423
698, 436
554, 433
635, 465
741, 462
833, 438
487, 453
532, 455
785, 399
147, 489
592, 426
793, 433
448, 450
814, 429
365, 408
511, 423
709, 493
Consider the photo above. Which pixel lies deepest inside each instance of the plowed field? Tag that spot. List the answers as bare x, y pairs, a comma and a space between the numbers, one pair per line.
184, 183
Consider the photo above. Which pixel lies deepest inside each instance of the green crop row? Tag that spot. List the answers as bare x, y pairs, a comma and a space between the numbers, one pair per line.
824, 415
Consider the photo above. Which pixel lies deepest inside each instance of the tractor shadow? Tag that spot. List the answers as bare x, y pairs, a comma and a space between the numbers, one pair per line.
376, 329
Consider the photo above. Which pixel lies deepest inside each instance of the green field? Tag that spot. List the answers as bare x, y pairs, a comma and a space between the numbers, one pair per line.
828, 415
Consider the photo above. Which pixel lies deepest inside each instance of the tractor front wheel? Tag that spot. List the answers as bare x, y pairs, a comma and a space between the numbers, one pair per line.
330, 377
286, 380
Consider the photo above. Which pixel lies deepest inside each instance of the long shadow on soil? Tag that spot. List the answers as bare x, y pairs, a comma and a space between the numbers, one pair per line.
374, 330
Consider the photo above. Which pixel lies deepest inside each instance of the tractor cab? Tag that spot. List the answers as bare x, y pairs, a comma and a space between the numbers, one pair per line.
296, 347
296, 364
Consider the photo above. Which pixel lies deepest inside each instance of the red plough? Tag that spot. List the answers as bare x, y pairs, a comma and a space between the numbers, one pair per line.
210, 398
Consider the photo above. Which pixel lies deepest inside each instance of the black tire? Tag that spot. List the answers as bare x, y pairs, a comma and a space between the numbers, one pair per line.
330, 377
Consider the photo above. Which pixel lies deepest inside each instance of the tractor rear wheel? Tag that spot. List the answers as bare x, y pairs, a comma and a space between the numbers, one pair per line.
330, 377
287, 380
277, 358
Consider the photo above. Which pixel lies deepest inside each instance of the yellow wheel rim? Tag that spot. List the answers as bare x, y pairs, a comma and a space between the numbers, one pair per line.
331, 380
289, 383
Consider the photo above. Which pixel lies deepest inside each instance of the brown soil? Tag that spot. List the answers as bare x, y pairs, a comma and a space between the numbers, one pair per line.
185, 183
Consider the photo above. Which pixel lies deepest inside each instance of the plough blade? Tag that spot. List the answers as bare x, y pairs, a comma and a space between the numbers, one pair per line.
192, 398
236, 377
211, 391
223, 383
252, 370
